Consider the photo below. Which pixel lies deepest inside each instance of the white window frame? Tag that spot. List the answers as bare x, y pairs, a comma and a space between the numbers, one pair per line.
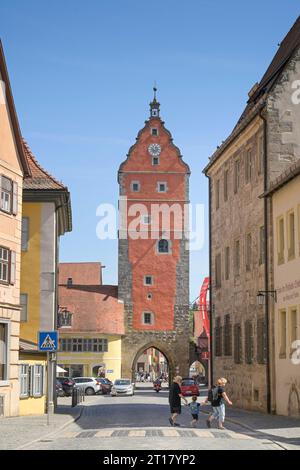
24, 374
151, 318
139, 186
37, 380
152, 280
158, 186
6, 203
5, 262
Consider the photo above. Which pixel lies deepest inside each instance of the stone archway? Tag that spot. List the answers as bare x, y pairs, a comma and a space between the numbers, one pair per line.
162, 350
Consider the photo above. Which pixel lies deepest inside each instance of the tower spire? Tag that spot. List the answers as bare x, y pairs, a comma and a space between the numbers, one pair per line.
154, 105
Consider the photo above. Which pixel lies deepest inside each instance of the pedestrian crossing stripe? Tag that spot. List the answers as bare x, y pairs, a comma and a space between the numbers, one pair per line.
153, 432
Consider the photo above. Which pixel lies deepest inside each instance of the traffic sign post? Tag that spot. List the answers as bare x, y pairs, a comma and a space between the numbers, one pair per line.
48, 342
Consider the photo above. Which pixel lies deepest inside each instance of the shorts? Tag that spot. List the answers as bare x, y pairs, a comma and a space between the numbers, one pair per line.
175, 409
219, 412
195, 417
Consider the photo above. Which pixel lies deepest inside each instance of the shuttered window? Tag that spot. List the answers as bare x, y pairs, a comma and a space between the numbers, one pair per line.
25, 233
237, 343
248, 342
227, 336
24, 380
261, 341
218, 337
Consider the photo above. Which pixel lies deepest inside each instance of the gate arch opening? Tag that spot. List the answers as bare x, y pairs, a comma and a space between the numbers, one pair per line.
150, 362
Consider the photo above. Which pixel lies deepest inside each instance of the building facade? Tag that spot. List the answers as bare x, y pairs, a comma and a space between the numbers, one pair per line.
90, 322
153, 252
284, 194
13, 166
263, 145
46, 216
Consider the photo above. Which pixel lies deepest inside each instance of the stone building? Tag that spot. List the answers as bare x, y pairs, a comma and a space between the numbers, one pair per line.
264, 143
153, 252
284, 195
13, 167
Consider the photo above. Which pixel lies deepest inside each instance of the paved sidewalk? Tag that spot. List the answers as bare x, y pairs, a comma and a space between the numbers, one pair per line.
17, 432
283, 430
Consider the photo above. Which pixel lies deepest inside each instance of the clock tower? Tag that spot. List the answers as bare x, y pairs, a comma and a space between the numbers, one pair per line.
153, 264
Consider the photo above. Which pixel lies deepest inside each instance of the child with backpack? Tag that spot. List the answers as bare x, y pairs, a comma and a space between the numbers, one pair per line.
194, 409
217, 397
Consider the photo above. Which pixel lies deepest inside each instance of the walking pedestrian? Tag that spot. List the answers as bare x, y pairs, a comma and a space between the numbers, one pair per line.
175, 397
194, 409
218, 399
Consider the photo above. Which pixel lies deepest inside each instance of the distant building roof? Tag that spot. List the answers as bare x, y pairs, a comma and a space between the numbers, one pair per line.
84, 273
259, 93
95, 309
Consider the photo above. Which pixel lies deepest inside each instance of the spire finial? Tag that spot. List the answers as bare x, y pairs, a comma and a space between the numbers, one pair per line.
154, 105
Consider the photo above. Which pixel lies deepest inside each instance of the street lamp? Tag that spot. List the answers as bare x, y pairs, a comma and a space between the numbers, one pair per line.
261, 295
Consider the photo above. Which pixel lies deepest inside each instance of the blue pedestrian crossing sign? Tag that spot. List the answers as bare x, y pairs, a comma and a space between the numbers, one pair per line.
48, 341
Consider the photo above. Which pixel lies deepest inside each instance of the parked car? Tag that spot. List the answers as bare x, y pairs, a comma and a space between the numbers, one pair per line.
90, 385
105, 384
189, 387
67, 385
122, 387
59, 389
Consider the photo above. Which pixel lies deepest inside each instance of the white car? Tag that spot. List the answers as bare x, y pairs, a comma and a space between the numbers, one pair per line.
122, 387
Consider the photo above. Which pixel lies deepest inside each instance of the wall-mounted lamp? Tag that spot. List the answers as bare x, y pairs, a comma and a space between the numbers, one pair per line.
262, 294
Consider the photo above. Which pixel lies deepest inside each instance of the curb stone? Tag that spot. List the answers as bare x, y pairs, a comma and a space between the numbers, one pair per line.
250, 428
73, 420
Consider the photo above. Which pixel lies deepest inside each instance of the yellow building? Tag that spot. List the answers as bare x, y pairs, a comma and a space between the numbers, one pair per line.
46, 216
285, 197
13, 166
90, 322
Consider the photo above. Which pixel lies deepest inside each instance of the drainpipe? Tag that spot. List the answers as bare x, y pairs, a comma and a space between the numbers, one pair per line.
266, 246
210, 366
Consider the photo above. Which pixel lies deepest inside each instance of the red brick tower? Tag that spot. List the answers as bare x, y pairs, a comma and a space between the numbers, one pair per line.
153, 251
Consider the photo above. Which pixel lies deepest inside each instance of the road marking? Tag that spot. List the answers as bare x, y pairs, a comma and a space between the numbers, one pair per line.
104, 433
137, 434
201, 433
170, 433
237, 435
70, 434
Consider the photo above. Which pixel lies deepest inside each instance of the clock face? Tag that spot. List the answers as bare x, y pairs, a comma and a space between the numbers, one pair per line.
154, 150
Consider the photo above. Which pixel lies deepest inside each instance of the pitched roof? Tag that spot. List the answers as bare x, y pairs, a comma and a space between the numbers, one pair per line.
40, 178
258, 96
95, 309
290, 173
13, 113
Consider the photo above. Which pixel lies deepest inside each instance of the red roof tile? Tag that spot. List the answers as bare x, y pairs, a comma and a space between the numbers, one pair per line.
95, 309
40, 178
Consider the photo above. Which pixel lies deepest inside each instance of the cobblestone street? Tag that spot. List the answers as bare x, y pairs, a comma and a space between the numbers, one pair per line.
141, 422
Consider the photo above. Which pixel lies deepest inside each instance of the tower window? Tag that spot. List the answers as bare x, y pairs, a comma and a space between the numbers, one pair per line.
148, 318
155, 161
135, 186
149, 296
163, 246
161, 187
148, 280
154, 112
154, 131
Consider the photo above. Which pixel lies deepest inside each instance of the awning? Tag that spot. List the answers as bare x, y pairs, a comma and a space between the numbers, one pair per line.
60, 370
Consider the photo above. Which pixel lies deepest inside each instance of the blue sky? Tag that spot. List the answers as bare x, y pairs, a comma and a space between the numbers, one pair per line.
82, 75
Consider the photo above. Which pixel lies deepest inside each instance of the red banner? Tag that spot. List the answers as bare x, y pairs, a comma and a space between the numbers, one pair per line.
203, 305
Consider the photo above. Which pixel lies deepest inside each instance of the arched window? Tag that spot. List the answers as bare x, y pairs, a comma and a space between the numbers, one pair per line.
163, 246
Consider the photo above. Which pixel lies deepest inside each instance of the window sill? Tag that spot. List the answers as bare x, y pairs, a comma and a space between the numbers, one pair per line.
4, 383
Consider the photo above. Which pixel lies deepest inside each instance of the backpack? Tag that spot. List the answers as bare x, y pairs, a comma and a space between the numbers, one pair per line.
212, 394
